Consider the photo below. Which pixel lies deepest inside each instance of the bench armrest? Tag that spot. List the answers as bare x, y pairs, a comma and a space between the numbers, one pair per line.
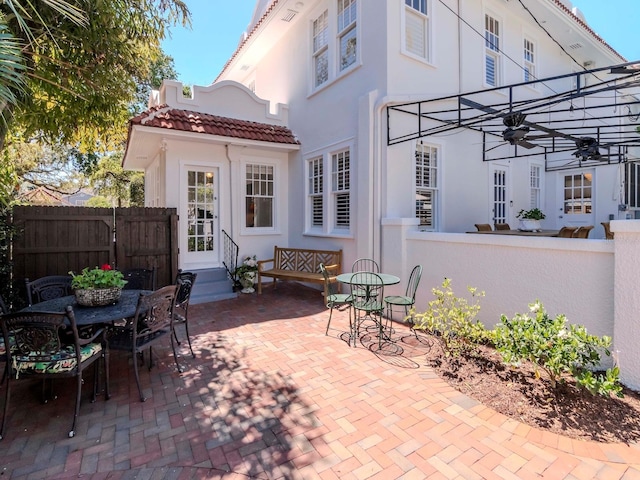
262, 262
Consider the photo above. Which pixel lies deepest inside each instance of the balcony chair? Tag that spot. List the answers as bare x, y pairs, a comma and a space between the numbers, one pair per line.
483, 227
140, 278
608, 234
583, 232
367, 292
567, 232
152, 322
39, 350
184, 281
408, 300
501, 226
333, 298
48, 288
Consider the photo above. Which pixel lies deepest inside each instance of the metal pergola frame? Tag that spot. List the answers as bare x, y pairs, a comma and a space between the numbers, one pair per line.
601, 104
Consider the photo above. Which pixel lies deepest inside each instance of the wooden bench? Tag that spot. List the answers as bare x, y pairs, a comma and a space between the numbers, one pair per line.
299, 264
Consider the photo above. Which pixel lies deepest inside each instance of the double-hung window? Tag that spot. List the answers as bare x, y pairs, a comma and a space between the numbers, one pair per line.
426, 164
535, 186
347, 33
321, 49
492, 51
416, 28
259, 196
316, 192
340, 189
529, 61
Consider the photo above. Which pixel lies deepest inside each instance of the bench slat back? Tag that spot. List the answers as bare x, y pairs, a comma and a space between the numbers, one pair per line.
303, 260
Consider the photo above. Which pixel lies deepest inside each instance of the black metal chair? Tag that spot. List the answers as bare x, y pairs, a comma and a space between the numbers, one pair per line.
48, 288
38, 350
140, 278
367, 292
365, 265
152, 322
333, 298
184, 281
407, 300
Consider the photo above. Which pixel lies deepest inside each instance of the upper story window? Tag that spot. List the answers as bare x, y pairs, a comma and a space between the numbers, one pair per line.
492, 51
321, 49
316, 192
259, 196
347, 33
529, 61
416, 28
340, 189
426, 167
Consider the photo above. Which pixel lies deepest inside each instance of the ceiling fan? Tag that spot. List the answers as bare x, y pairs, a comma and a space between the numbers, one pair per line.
515, 132
587, 149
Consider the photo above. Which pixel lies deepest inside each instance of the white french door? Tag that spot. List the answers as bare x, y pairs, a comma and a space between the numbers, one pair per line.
576, 192
200, 231
500, 194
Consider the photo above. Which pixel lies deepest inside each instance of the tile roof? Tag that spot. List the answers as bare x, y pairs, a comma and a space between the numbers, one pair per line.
163, 116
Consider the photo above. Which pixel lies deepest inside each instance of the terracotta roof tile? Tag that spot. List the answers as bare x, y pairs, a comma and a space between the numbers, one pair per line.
163, 116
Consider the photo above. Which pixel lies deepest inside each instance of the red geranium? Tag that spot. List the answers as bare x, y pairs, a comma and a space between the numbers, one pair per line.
106, 266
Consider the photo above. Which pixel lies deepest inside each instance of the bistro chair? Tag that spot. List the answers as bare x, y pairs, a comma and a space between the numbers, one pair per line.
501, 226
567, 232
140, 278
39, 350
367, 292
152, 322
365, 265
333, 298
583, 232
407, 300
184, 281
483, 227
608, 234
48, 288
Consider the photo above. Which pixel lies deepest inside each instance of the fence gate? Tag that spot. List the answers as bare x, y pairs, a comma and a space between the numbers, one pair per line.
56, 240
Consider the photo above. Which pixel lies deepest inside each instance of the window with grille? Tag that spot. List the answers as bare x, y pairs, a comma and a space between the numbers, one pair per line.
577, 193
416, 28
492, 50
529, 61
340, 186
632, 184
534, 185
347, 32
426, 161
321, 49
316, 191
259, 188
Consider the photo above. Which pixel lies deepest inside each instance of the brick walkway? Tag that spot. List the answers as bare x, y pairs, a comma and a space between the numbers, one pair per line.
270, 396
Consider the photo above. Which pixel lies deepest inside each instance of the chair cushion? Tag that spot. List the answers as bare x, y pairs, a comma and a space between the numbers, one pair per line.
63, 361
399, 300
339, 298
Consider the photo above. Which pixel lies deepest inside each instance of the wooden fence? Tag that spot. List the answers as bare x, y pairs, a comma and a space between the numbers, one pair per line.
56, 240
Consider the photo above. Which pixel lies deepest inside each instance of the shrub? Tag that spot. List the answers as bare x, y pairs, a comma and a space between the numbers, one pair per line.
452, 320
555, 348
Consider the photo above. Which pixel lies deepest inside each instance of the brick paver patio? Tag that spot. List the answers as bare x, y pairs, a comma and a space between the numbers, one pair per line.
270, 396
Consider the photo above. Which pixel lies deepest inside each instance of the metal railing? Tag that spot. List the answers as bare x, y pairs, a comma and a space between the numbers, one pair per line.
230, 260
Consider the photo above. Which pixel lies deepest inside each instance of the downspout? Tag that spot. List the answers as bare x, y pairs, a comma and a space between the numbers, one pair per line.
226, 152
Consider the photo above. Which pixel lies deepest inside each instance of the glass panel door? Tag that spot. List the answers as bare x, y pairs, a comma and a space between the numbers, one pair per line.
577, 190
200, 231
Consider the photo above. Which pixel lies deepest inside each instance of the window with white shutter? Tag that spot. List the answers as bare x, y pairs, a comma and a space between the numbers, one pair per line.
492, 51
426, 168
340, 189
529, 61
416, 28
316, 192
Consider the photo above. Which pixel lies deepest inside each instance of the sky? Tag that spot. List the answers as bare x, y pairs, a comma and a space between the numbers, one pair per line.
201, 52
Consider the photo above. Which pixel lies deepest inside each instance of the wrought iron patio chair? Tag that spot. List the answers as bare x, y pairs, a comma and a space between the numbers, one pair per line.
184, 281
333, 298
48, 288
483, 227
608, 234
583, 231
365, 265
38, 350
567, 232
501, 226
140, 278
152, 322
408, 300
367, 291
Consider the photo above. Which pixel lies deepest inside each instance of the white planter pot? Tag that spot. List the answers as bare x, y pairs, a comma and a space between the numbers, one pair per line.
529, 225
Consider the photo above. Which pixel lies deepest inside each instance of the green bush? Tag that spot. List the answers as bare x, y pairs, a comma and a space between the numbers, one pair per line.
556, 348
452, 320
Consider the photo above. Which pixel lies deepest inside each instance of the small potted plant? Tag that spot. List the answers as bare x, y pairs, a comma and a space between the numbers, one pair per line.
246, 273
530, 219
97, 286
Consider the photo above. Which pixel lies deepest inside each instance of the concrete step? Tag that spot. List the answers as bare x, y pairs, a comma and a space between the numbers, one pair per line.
212, 285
